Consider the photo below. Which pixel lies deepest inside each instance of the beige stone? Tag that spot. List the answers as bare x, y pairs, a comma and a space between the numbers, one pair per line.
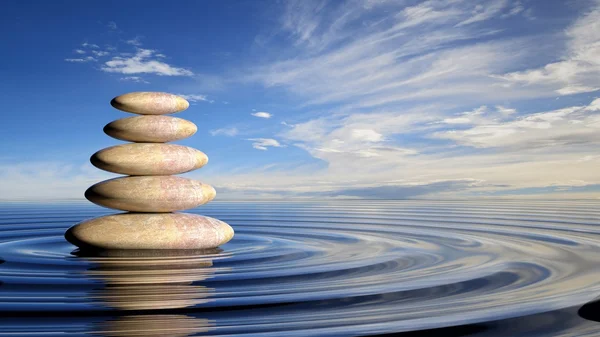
149, 159
150, 231
150, 129
150, 193
150, 103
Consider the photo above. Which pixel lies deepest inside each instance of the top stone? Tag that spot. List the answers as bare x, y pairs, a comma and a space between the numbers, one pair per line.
150, 103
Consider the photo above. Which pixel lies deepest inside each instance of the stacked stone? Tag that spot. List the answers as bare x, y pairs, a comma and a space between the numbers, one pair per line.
150, 192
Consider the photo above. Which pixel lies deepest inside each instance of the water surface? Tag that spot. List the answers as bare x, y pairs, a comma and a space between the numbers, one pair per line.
327, 268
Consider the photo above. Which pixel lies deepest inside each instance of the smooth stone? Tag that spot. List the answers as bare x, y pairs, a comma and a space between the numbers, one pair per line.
150, 231
149, 159
150, 193
150, 103
150, 129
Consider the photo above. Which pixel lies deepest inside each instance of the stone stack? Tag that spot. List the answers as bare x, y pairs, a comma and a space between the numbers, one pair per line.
150, 192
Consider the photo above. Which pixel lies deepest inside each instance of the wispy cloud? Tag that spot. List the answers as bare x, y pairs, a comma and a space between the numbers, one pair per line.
135, 79
135, 42
400, 54
143, 63
231, 131
579, 70
79, 51
90, 45
100, 53
196, 98
112, 25
568, 126
405, 191
483, 12
26, 180
517, 8
264, 143
342, 140
81, 60
262, 114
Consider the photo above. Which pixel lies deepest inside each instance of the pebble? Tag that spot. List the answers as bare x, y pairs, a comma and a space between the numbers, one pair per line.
150, 103
150, 193
149, 159
150, 231
150, 129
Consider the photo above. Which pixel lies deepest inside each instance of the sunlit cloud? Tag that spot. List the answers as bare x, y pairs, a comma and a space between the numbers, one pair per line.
232, 131
264, 143
143, 63
262, 114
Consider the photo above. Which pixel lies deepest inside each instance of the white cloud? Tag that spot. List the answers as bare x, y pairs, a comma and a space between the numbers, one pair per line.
135, 79
231, 131
262, 114
196, 98
112, 25
479, 115
483, 12
517, 8
81, 60
579, 69
89, 45
142, 63
343, 141
505, 111
136, 42
367, 135
47, 180
79, 51
414, 53
100, 53
264, 143
457, 120
562, 127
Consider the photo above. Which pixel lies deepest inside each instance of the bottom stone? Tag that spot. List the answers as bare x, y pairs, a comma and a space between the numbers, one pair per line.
150, 231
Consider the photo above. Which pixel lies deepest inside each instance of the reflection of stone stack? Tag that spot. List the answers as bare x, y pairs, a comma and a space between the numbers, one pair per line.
148, 280
150, 190
153, 326
145, 280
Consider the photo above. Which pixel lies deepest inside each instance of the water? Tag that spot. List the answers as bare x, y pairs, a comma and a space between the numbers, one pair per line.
329, 268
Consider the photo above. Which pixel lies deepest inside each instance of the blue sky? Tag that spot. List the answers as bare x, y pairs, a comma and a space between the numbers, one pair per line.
360, 98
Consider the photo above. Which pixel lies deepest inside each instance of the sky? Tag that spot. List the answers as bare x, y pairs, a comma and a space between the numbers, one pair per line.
393, 99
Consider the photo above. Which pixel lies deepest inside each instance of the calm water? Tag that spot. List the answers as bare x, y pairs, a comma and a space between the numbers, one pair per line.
343, 268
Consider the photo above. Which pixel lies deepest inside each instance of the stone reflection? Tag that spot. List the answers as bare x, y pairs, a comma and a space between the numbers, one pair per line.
153, 325
151, 280
140, 281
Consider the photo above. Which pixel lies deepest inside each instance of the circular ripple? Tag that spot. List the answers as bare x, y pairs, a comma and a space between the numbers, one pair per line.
342, 268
